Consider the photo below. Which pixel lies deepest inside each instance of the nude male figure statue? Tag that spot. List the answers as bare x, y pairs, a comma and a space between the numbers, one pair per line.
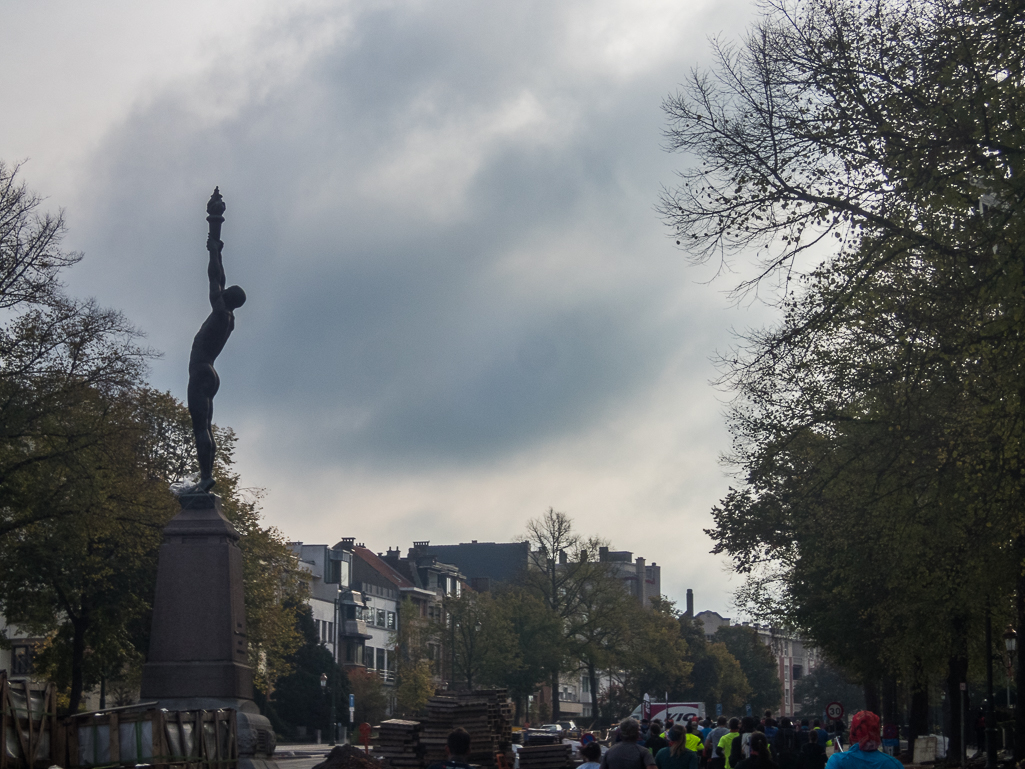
209, 341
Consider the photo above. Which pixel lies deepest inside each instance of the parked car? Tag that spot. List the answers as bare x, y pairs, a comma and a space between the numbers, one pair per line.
570, 729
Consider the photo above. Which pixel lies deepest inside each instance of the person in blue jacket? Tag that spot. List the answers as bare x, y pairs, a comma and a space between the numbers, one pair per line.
864, 752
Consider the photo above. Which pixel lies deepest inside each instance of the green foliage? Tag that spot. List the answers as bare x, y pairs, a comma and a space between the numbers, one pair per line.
757, 662
869, 154
371, 700
298, 699
414, 684
86, 579
538, 637
719, 678
414, 642
824, 685
480, 639
657, 658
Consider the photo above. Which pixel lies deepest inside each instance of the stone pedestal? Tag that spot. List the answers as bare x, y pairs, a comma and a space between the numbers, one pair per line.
198, 651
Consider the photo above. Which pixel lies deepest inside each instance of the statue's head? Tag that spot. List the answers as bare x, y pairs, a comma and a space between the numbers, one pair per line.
234, 297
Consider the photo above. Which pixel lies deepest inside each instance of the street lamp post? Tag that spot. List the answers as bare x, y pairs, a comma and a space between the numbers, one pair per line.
323, 688
1011, 645
991, 719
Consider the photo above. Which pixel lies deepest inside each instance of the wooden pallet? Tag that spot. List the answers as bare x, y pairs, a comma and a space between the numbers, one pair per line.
30, 717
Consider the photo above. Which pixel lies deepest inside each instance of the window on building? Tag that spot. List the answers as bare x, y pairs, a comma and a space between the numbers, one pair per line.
381, 664
380, 617
391, 620
316, 627
21, 660
370, 657
585, 686
798, 671
351, 612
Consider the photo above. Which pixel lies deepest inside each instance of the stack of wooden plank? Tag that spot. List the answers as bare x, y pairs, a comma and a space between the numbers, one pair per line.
545, 756
398, 743
445, 713
499, 714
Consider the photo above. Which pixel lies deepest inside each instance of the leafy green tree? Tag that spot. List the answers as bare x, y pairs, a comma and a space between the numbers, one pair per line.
414, 642
57, 357
82, 578
602, 632
657, 658
758, 663
371, 699
538, 635
298, 699
877, 176
566, 575
823, 685
717, 677
480, 638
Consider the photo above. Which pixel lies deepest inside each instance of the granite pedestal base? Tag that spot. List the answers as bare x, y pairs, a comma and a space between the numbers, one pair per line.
198, 647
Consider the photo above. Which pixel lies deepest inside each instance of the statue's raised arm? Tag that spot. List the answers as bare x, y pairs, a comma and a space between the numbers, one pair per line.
209, 341
215, 269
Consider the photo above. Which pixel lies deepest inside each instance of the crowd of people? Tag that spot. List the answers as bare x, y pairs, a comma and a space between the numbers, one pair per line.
742, 743
735, 743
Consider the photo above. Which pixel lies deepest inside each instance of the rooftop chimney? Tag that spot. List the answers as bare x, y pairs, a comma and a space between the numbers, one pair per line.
690, 603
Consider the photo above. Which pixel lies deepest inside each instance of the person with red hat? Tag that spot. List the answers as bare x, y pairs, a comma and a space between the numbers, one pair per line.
864, 752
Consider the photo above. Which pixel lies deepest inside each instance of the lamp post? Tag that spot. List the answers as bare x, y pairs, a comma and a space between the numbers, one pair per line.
323, 688
1011, 645
991, 719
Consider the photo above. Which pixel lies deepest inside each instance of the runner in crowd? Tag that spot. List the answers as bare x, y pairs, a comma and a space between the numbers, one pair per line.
676, 755
760, 757
864, 752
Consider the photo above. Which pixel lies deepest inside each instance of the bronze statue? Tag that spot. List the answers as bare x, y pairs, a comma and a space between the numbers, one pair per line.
209, 341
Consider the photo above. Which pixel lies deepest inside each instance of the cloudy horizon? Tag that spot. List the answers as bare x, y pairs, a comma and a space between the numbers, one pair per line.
462, 306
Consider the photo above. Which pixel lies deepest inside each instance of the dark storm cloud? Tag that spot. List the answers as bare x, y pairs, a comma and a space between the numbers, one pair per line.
378, 324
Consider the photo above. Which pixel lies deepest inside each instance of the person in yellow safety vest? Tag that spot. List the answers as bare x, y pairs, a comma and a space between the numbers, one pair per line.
725, 746
693, 738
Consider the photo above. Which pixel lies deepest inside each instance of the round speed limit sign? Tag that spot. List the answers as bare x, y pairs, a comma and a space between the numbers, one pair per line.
834, 710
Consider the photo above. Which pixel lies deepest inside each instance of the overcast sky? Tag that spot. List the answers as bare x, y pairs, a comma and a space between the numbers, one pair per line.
463, 307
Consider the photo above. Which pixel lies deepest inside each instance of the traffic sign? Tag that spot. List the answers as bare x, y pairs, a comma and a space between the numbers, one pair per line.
352, 700
834, 711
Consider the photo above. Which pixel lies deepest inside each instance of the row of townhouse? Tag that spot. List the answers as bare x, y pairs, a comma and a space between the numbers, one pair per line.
356, 594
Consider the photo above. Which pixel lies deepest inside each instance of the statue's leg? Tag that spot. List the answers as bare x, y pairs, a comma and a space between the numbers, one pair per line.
202, 386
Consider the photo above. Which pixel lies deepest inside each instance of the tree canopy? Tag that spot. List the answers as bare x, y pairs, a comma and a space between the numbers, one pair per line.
866, 156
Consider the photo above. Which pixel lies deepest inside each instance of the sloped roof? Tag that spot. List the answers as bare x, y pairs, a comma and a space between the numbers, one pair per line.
377, 564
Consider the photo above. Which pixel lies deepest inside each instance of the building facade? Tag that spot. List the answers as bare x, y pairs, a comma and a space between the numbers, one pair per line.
642, 580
